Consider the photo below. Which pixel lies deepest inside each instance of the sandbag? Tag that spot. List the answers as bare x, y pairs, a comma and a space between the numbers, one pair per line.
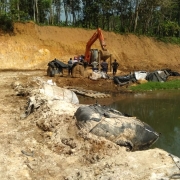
122, 80
158, 76
58, 100
55, 67
57, 64
95, 75
98, 75
140, 75
59, 93
116, 126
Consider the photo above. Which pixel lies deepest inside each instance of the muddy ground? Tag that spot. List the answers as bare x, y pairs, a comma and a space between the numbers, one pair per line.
48, 147
32, 150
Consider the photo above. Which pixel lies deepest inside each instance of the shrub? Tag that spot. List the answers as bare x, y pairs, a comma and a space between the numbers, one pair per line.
6, 23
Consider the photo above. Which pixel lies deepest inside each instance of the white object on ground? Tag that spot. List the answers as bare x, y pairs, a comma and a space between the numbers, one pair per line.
50, 82
140, 75
58, 93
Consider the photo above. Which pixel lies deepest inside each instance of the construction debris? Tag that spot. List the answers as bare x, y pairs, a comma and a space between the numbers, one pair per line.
88, 93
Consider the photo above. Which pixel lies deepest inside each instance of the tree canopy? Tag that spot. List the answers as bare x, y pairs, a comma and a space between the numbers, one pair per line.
148, 17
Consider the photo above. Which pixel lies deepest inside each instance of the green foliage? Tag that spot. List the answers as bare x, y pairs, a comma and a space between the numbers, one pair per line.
6, 23
172, 40
149, 18
170, 28
150, 86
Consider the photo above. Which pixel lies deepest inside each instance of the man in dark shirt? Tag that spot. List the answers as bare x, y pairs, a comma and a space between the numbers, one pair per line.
115, 67
104, 66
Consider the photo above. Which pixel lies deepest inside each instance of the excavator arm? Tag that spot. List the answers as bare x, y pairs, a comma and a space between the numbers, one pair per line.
97, 35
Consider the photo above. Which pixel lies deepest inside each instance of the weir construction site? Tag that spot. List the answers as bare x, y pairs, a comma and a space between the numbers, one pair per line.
43, 133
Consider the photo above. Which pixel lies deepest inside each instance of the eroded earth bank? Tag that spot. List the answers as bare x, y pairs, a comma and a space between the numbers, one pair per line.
49, 146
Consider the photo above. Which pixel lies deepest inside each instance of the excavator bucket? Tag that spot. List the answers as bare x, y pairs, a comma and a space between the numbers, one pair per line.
104, 55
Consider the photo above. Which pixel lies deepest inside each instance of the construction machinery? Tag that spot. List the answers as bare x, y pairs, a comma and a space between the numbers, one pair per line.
92, 54
89, 56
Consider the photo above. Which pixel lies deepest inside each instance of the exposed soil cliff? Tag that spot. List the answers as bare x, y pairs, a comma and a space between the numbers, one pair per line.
32, 47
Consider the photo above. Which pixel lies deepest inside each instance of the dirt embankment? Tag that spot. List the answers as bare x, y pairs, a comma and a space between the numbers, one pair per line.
46, 147
32, 47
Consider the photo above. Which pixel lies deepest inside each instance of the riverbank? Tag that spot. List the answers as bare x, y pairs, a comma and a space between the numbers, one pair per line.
62, 152
54, 148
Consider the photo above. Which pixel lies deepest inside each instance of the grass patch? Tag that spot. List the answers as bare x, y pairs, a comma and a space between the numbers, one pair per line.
150, 86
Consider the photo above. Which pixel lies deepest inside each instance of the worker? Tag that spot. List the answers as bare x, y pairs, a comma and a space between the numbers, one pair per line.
85, 64
75, 60
70, 63
115, 67
81, 59
94, 65
104, 66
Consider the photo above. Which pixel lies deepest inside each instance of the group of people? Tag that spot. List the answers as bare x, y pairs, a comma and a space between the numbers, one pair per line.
94, 64
71, 62
104, 66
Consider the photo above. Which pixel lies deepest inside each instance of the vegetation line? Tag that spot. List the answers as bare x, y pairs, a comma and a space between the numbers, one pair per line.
141, 17
150, 86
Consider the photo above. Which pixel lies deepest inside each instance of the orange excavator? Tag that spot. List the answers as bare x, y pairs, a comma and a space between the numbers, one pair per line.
55, 67
104, 54
91, 54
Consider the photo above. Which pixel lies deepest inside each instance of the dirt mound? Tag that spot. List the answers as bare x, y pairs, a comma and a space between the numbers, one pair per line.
33, 46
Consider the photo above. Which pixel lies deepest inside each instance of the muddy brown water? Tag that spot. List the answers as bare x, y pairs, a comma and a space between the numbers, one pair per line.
161, 110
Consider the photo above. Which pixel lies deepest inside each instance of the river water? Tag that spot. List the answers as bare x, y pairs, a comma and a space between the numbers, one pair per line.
161, 110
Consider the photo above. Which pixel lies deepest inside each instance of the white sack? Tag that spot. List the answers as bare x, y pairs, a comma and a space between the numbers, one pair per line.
55, 92
95, 75
140, 75
98, 75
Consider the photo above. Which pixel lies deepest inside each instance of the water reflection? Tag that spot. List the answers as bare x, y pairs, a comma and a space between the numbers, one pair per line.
161, 110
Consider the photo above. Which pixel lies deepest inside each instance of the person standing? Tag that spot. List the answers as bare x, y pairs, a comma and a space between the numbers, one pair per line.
104, 66
70, 64
75, 60
85, 64
115, 67
94, 65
